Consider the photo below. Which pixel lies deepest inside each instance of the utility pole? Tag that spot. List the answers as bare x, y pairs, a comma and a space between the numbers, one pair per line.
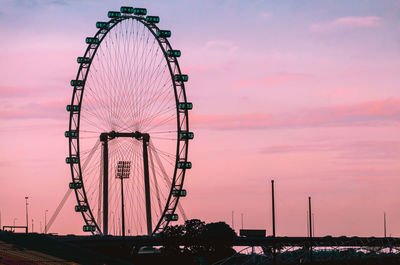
45, 221
32, 226
273, 208
384, 224
273, 221
242, 221
26, 212
310, 228
310, 216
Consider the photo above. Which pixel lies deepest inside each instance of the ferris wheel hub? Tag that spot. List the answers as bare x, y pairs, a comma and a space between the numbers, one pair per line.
113, 134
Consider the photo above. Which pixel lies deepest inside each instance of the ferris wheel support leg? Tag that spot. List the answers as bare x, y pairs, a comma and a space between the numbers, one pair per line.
146, 139
104, 139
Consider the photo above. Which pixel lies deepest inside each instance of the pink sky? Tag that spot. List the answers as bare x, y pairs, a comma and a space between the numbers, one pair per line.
307, 95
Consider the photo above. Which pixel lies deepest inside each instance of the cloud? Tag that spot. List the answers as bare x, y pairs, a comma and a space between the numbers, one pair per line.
58, 2
220, 45
359, 150
295, 148
382, 150
272, 80
347, 23
12, 92
366, 114
45, 110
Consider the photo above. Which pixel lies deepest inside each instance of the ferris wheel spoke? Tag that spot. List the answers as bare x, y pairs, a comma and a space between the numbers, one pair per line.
155, 180
95, 105
159, 150
159, 99
162, 122
147, 93
90, 155
157, 115
162, 132
161, 167
91, 123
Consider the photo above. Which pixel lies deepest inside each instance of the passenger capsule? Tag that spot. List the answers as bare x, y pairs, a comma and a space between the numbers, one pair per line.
171, 217
126, 9
153, 19
186, 135
185, 105
102, 25
174, 53
72, 107
179, 193
164, 33
83, 60
81, 208
76, 82
114, 14
71, 134
89, 228
140, 11
71, 160
75, 185
184, 165
181, 78
90, 40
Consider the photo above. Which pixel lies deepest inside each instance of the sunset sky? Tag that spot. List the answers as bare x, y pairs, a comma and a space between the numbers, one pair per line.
305, 92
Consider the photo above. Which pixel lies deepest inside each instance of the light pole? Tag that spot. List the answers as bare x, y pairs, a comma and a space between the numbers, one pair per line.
123, 171
45, 221
310, 223
15, 219
273, 221
26, 212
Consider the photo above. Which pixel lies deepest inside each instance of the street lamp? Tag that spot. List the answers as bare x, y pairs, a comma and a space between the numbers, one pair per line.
15, 219
26, 212
45, 221
123, 171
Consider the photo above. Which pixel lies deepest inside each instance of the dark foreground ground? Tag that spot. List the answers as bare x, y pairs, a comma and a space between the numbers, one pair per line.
26, 249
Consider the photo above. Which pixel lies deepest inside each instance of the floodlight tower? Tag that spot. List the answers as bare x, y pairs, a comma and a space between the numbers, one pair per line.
26, 211
45, 221
123, 171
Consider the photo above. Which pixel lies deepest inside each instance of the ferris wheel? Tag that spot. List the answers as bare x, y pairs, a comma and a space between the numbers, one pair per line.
128, 127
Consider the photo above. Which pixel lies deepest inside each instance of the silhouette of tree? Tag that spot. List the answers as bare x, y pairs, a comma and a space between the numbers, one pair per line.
219, 237
172, 236
193, 232
213, 239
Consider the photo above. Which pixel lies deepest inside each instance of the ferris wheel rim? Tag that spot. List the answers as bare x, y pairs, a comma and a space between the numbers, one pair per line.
74, 123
